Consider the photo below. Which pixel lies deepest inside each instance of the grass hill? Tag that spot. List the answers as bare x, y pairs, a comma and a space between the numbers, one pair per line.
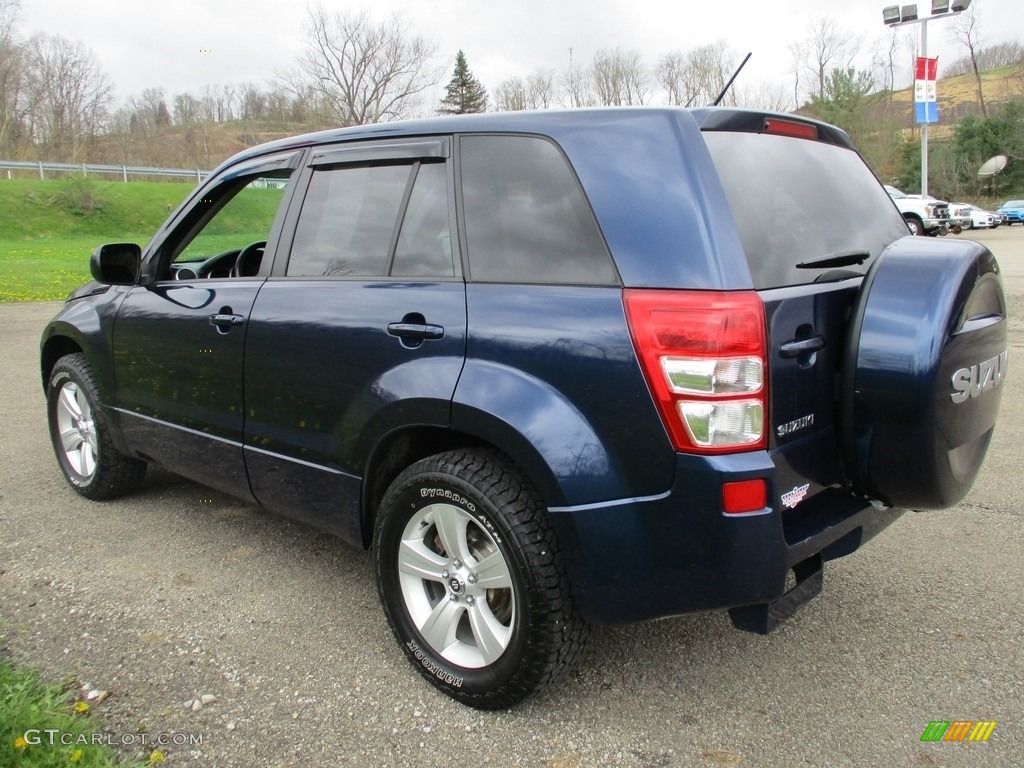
50, 227
958, 97
73, 207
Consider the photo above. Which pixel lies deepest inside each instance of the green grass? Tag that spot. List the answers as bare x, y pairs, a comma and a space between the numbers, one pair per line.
45, 244
34, 210
46, 239
45, 270
30, 707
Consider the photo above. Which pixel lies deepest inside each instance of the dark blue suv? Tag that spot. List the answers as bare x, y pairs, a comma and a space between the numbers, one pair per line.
554, 368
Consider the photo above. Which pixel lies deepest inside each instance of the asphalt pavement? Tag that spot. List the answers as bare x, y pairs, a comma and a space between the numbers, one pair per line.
178, 592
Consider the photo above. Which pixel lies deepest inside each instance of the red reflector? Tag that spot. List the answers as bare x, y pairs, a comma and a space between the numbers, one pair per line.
744, 496
790, 128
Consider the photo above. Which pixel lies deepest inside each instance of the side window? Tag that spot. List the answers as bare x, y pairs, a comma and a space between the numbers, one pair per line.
351, 216
527, 220
225, 233
424, 244
348, 221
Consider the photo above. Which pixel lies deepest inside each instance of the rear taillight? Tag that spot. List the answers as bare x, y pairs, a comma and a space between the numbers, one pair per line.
704, 356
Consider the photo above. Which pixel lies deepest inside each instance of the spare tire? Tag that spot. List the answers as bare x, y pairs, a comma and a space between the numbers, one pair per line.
922, 370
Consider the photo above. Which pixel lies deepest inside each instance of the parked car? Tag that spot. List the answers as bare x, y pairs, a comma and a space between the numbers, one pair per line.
552, 368
1013, 210
979, 219
923, 217
959, 217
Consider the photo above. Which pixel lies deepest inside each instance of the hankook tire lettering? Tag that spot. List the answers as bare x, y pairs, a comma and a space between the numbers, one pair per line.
432, 668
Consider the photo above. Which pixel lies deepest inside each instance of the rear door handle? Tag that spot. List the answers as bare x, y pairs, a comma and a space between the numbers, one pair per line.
416, 331
226, 322
802, 347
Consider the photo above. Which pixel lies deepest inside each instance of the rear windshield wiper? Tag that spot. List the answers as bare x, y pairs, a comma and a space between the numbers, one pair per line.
837, 259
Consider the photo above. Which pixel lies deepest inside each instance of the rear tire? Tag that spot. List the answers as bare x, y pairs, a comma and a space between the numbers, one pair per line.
81, 434
471, 581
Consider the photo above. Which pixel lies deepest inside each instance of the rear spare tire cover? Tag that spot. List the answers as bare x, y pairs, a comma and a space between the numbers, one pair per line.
922, 375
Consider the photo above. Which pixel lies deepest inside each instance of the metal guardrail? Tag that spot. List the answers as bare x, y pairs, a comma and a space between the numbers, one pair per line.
85, 168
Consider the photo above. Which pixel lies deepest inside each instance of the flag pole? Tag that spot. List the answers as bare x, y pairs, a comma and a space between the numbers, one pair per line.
924, 125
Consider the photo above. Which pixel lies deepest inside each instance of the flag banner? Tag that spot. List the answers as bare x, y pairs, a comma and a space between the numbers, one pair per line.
926, 106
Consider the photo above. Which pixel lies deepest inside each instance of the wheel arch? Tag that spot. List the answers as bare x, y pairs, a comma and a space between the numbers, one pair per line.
53, 349
914, 220
397, 450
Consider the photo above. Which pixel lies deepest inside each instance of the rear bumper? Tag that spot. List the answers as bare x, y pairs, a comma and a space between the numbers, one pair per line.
640, 559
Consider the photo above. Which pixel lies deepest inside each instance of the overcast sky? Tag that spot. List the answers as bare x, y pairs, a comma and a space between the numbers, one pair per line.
184, 45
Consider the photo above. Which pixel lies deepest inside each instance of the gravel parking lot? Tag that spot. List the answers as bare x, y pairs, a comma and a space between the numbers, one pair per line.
179, 592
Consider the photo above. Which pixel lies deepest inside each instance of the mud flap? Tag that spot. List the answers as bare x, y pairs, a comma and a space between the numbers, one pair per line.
765, 617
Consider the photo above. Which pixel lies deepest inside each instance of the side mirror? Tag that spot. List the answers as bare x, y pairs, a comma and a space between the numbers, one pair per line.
116, 263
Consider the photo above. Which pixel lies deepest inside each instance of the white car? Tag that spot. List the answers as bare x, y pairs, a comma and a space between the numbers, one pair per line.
980, 219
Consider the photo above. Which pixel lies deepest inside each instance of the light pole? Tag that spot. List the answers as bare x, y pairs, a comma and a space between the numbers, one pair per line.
898, 16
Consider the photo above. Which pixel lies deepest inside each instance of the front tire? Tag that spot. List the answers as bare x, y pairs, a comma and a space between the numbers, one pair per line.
81, 434
915, 225
471, 580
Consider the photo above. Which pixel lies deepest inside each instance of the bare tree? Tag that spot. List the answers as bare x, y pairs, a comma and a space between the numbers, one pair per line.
672, 74
185, 109
120, 127
965, 30
150, 107
619, 77
279, 105
577, 85
74, 95
766, 95
18, 91
253, 102
1005, 54
698, 76
536, 92
827, 47
796, 56
886, 56
540, 89
510, 95
362, 71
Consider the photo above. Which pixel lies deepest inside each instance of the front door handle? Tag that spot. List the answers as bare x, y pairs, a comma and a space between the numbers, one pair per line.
225, 322
416, 331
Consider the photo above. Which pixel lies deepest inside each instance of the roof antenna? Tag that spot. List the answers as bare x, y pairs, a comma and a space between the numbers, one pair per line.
731, 79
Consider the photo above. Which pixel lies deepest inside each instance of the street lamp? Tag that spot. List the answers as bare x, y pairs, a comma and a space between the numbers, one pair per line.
898, 16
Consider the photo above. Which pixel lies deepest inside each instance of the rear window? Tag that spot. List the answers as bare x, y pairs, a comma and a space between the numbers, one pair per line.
796, 200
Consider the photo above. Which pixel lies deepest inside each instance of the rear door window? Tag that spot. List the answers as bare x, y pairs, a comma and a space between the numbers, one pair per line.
375, 220
347, 221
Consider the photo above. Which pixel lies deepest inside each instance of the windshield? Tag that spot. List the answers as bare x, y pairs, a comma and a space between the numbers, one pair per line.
1014, 204
800, 201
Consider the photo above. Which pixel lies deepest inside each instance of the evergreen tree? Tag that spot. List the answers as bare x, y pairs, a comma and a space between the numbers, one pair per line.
465, 93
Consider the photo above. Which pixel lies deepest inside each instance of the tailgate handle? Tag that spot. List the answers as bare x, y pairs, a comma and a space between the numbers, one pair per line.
802, 347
